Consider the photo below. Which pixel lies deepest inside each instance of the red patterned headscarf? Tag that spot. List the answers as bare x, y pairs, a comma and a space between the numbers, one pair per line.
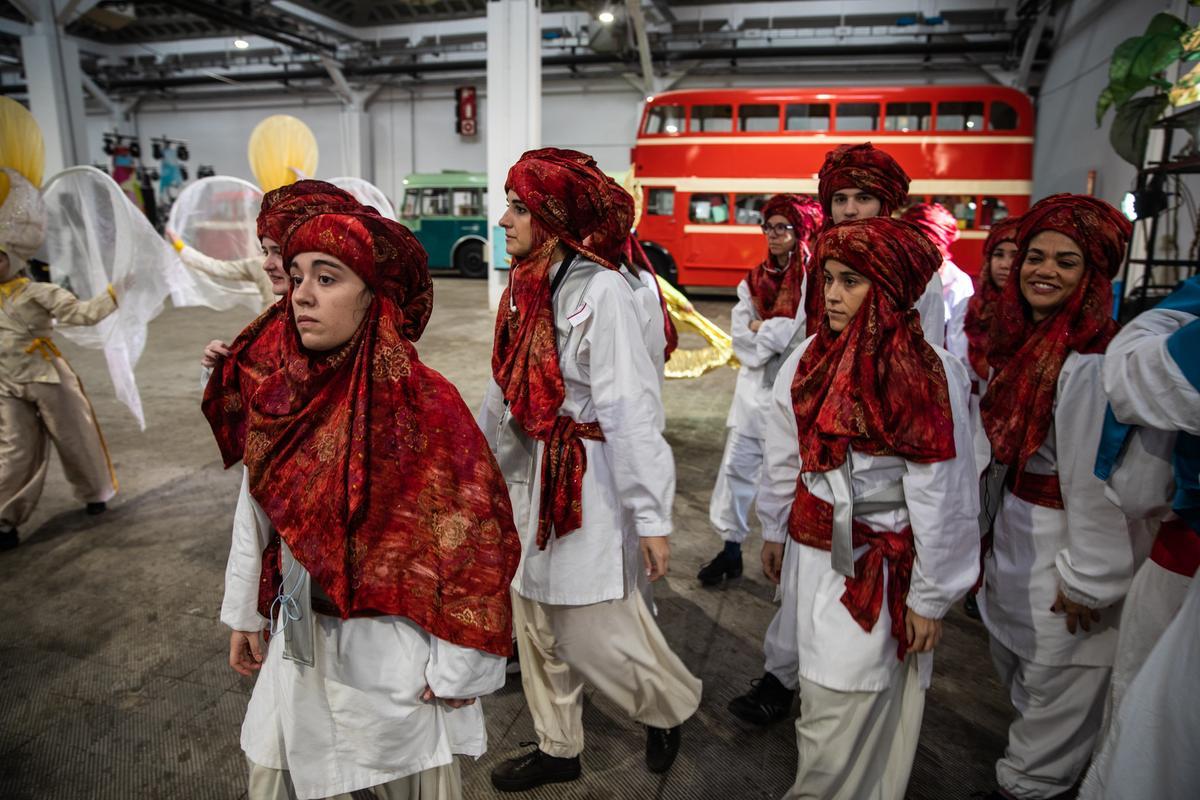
936, 221
283, 206
982, 304
571, 204
877, 386
776, 292
857, 166
1028, 356
368, 463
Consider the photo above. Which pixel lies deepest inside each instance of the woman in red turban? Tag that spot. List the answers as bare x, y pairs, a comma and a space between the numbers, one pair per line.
867, 436
380, 528
1060, 558
571, 413
957, 288
767, 323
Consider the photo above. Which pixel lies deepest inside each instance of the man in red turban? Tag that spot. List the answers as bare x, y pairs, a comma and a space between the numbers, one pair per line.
942, 228
572, 413
867, 433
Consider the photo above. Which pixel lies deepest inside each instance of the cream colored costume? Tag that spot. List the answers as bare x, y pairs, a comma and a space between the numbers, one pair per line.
241, 269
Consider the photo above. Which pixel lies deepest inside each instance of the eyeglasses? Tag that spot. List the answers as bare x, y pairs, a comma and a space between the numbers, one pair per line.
779, 229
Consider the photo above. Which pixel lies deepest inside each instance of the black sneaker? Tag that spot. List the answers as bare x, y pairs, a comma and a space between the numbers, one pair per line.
513, 667
971, 606
662, 745
533, 769
8, 539
722, 567
96, 508
768, 701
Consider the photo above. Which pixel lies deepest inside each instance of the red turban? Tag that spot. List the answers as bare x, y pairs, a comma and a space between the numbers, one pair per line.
572, 204
368, 463
876, 386
937, 223
776, 292
982, 304
862, 167
1028, 356
283, 206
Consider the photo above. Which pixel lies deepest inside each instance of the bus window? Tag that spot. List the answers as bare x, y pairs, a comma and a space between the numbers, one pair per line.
904, 117
858, 116
435, 202
960, 117
756, 119
991, 211
962, 206
747, 208
660, 202
1004, 117
709, 209
807, 117
466, 203
664, 119
411, 198
710, 119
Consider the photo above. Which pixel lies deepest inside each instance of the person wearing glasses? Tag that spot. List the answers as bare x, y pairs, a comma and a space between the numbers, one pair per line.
768, 322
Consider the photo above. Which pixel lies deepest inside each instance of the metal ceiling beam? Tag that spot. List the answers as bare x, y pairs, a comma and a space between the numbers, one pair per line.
74, 9
316, 19
217, 13
27, 9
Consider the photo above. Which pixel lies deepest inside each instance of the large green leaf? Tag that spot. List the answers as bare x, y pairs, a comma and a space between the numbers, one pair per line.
1131, 127
1156, 54
1164, 24
1105, 102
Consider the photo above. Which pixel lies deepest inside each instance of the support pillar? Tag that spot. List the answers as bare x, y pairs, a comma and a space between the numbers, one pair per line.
357, 160
514, 112
54, 78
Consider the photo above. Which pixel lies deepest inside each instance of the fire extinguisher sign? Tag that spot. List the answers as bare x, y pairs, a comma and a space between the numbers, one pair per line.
466, 120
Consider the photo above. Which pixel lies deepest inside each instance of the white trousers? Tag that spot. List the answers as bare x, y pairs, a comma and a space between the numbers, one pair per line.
780, 647
736, 487
858, 745
617, 647
1151, 747
438, 783
1059, 712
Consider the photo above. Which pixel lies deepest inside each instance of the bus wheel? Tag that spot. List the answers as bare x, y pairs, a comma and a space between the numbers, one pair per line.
663, 264
468, 259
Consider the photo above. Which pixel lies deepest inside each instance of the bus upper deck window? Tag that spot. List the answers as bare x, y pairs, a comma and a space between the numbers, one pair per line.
709, 209
711, 119
858, 116
960, 116
664, 119
905, 117
807, 117
758, 119
1004, 117
660, 202
411, 203
747, 208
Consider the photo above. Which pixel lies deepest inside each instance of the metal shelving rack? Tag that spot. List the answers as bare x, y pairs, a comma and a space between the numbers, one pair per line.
1151, 288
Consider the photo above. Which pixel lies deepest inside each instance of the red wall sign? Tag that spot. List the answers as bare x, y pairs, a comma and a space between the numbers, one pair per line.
466, 122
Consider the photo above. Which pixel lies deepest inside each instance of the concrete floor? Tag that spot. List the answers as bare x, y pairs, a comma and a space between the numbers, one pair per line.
113, 664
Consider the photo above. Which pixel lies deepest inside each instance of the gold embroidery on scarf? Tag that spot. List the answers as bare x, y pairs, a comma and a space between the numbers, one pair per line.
391, 363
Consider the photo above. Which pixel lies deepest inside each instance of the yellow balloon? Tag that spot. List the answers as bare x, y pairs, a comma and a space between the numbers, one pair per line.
21, 145
282, 150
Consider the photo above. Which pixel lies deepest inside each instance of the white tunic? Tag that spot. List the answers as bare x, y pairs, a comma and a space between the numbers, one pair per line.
1143, 383
355, 719
957, 289
1085, 548
754, 350
933, 312
654, 331
629, 484
942, 507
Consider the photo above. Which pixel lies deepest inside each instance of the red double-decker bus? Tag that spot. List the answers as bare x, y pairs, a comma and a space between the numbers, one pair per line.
707, 160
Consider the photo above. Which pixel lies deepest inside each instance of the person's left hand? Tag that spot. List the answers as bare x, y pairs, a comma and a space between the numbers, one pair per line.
1078, 615
656, 553
428, 696
755, 324
923, 633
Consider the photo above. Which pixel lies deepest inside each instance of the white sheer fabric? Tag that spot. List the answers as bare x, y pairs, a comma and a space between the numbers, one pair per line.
366, 193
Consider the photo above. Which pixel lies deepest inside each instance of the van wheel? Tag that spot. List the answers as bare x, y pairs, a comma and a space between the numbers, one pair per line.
468, 259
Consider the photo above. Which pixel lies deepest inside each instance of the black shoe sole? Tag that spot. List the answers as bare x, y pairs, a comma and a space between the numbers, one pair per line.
503, 785
716, 580
756, 719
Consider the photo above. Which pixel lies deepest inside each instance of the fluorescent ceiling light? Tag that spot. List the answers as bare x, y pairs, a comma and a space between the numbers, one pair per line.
606, 17
241, 44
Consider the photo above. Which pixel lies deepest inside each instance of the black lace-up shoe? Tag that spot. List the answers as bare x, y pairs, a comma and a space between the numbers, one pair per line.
97, 508
767, 701
971, 606
533, 769
722, 567
8, 539
662, 745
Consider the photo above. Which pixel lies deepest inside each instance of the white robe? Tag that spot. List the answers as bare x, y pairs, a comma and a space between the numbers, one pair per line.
355, 719
933, 312
942, 507
754, 350
629, 484
957, 289
1084, 548
654, 331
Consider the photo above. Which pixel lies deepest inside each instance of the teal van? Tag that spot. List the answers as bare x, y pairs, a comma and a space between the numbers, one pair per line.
446, 212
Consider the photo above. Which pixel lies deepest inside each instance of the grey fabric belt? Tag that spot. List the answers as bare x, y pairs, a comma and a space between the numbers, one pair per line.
295, 605
775, 362
889, 497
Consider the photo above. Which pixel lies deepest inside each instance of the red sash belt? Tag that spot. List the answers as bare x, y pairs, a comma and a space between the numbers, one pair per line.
563, 463
811, 523
1032, 487
1177, 548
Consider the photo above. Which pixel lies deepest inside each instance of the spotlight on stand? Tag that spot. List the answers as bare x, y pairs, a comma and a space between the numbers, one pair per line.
182, 152
205, 171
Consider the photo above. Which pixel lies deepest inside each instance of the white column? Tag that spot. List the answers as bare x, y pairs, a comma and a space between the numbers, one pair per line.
54, 79
514, 111
356, 143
